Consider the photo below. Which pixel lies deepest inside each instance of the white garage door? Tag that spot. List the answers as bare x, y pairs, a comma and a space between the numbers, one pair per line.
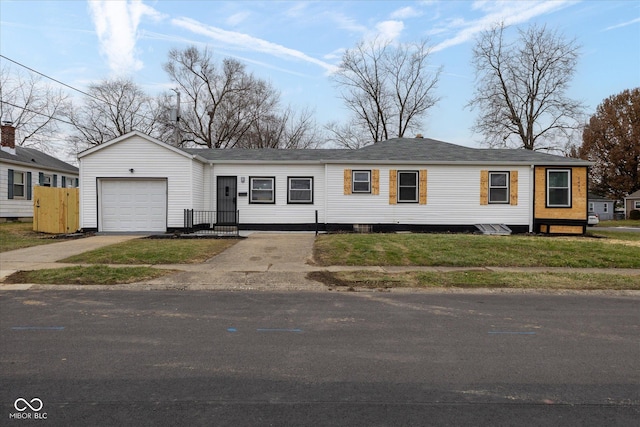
133, 205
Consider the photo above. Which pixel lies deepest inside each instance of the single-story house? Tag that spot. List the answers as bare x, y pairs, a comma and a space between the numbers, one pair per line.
135, 183
631, 203
601, 206
23, 168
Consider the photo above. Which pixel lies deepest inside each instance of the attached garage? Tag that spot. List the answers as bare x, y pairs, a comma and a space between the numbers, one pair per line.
132, 205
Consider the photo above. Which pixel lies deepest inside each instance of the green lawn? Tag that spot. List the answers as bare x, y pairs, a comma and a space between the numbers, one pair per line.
620, 223
470, 250
87, 275
18, 235
154, 251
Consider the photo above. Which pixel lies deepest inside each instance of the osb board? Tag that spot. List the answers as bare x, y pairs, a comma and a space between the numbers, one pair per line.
565, 229
578, 209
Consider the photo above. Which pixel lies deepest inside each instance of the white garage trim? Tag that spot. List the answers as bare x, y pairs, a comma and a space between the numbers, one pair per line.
132, 205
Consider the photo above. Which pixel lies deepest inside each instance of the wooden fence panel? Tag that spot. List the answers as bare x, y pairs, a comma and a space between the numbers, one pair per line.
56, 210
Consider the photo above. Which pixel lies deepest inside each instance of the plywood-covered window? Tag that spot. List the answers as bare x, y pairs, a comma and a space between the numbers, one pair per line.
558, 188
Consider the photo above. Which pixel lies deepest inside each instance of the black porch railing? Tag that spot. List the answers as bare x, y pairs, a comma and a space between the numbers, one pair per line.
223, 223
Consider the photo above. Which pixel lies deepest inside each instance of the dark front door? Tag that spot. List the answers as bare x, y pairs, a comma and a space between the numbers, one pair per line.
226, 206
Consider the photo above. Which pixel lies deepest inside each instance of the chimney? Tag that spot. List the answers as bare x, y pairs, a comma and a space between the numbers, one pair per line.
419, 136
8, 138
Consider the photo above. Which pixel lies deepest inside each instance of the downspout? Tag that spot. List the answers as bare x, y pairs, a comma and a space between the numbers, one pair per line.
532, 189
326, 195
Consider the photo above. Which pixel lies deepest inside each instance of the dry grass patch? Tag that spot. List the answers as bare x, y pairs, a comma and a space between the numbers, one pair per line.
351, 280
87, 275
18, 235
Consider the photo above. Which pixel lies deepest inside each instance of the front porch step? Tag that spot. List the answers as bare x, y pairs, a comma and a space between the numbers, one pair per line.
498, 229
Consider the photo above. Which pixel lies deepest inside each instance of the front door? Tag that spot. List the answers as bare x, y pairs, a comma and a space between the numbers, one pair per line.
226, 206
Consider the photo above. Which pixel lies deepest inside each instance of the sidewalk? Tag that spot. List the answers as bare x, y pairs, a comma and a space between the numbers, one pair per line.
261, 261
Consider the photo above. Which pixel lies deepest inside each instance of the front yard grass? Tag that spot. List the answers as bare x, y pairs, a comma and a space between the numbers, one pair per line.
87, 275
154, 251
18, 235
476, 279
621, 250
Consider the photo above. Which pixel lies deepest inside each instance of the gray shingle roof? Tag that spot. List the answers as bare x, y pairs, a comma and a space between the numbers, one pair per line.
403, 150
36, 159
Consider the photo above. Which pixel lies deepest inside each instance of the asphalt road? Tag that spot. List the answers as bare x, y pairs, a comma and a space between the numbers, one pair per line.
370, 359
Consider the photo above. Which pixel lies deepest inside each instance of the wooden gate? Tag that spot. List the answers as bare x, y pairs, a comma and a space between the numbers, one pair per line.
55, 210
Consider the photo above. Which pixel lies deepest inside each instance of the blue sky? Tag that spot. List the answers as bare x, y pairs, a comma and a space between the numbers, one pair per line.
297, 44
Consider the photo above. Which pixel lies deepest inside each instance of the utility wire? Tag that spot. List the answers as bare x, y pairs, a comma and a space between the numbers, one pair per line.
72, 88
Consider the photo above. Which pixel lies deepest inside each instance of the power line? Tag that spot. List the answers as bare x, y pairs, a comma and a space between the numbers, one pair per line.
70, 87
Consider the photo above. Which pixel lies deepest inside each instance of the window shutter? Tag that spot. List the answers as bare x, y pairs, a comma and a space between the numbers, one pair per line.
28, 185
375, 182
484, 187
393, 186
40, 178
513, 188
10, 184
347, 182
55, 180
77, 182
423, 187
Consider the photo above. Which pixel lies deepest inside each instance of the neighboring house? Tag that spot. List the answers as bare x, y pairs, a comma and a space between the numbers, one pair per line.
137, 183
631, 202
23, 168
601, 206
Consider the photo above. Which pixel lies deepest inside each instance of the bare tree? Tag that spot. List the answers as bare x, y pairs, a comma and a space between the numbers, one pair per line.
32, 106
223, 104
521, 88
348, 135
387, 87
284, 129
113, 108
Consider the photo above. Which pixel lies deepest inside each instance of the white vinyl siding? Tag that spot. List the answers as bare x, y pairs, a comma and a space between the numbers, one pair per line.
148, 160
280, 212
453, 194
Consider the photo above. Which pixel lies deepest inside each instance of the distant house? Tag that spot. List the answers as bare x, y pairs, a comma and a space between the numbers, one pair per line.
23, 168
631, 202
136, 183
601, 206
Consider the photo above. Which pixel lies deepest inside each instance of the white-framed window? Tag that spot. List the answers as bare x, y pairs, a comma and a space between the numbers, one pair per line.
19, 185
559, 188
361, 182
262, 190
605, 208
498, 187
408, 186
46, 180
592, 206
636, 204
300, 190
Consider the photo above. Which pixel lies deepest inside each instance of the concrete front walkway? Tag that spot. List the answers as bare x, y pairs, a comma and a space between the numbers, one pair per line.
45, 256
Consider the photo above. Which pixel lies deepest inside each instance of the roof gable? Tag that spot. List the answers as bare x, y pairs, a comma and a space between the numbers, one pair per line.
127, 137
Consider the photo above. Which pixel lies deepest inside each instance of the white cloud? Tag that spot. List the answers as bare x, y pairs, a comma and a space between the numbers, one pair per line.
116, 24
389, 30
624, 24
405, 13
247, 42
511, 13
237, 18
